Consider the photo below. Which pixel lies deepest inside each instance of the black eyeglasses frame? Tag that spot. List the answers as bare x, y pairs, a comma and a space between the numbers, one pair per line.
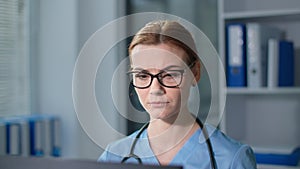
158, 77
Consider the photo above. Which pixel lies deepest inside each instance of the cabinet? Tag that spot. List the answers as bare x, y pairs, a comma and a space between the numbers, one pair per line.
262, 117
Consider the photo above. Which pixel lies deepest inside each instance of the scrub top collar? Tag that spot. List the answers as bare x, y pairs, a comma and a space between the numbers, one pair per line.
143, 149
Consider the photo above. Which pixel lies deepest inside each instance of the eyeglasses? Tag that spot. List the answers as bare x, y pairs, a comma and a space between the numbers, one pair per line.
167, 78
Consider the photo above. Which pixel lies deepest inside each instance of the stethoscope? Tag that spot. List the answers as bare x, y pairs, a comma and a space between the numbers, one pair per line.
136, 157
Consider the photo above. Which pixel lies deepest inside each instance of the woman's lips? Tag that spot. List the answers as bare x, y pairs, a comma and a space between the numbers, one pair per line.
158, 104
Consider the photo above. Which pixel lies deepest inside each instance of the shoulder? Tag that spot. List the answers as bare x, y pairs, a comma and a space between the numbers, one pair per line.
118, 149
219, 139
230, 151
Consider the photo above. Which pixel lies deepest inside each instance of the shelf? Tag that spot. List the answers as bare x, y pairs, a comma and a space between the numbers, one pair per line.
261, 14
263, 166
249, 91
265, 107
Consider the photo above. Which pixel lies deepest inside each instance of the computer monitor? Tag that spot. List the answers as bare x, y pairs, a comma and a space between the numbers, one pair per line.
19, 162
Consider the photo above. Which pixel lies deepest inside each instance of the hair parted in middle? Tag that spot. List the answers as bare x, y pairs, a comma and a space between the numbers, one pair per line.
167, 32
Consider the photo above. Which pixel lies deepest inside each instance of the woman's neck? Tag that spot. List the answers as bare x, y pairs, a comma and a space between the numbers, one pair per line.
179, 122
170, 135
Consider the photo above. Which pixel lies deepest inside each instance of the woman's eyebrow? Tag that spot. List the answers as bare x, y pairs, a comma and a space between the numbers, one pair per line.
136, 68
166, 68
171, 66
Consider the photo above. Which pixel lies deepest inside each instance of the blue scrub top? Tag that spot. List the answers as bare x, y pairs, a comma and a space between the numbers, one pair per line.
194, 154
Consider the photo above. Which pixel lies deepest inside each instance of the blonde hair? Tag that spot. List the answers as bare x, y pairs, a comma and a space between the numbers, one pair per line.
167, 32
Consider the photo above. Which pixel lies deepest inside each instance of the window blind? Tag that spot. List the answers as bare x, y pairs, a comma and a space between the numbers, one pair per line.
14, 59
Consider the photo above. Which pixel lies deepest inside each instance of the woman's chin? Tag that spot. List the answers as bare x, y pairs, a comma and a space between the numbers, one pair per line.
162, 115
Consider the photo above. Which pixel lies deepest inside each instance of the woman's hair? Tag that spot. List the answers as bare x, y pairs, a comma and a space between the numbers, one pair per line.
167, 32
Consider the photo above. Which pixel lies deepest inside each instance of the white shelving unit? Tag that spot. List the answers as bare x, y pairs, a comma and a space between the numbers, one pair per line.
263, 91
262, 117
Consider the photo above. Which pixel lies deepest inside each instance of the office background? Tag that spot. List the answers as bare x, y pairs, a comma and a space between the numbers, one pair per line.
58, 31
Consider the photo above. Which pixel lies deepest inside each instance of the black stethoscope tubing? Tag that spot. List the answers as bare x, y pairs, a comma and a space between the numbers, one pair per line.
208, 143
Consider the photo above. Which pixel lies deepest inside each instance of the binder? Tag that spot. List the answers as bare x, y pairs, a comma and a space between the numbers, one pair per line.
273, 52
48, 137
56, 137
286, 63
13, 138
34, 135
25, 146
52, 136
236, 55
257, 41
281, 68
45, 135
2, 138
37, 137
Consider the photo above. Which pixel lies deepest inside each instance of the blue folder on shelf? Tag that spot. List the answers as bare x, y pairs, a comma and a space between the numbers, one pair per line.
291, 159
286, 63
236, 55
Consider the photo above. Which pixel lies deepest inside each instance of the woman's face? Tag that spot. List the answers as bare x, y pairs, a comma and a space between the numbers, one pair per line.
159, 101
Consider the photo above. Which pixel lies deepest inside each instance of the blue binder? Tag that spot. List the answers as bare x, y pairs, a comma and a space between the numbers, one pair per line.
30, 135
236, 55
42, 127
291, 159
286, 63
13, 138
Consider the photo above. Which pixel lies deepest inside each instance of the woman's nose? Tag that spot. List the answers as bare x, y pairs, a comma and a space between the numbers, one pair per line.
156, 87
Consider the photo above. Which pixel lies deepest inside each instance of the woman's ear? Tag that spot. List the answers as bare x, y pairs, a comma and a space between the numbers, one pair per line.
196, 72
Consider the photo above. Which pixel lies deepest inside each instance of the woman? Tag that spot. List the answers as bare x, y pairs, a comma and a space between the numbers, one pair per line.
164, 66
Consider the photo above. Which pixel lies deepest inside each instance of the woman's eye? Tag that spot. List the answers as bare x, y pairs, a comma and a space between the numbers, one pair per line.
171, 75
141, 76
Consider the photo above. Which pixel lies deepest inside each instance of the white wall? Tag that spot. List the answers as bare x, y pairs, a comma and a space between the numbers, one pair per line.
64, 26
92, 15
57, 53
